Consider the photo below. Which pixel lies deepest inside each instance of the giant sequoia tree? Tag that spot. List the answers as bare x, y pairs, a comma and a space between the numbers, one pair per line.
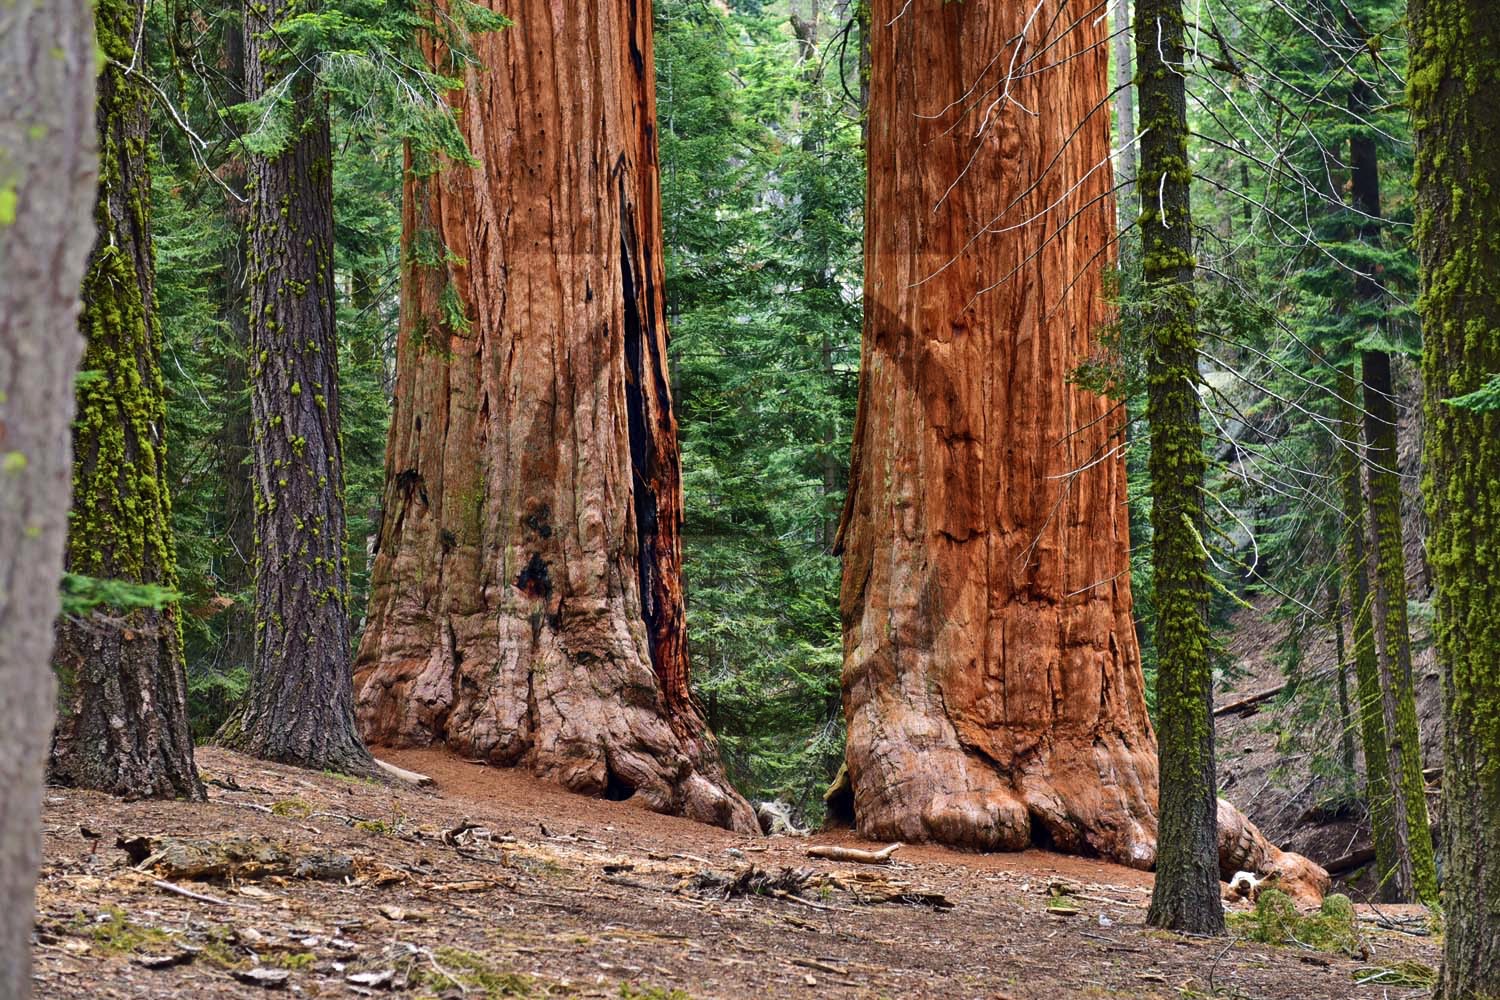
122, 723
47, 174
300, 707
992, 680
1456, 109
526, 602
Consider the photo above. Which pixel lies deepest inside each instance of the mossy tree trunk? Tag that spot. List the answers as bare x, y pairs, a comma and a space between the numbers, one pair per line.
122, 712
1354, 562
992, 681
526, 599
1186, 896
1456, 108
1347, 723
47, 196
1414, 875
300, 706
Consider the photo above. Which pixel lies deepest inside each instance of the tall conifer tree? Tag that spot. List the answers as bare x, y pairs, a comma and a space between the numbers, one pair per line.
1456, 107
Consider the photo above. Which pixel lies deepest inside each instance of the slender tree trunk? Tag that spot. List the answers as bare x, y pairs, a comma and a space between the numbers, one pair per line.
526, 603
299, 709
1341, 666
1457, 113
1415, 875
47, 188
1126, 163
992, 681
236, 567
122, 724
1367, 691
1186, 896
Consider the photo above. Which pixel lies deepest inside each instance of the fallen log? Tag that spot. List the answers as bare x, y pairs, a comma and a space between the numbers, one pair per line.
1349, 862
239, 858
1242, 847
832, 852
1243, 705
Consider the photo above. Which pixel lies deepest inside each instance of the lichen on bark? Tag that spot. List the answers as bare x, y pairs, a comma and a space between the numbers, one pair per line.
1186, 894
122, 724
1456, 111
299, 708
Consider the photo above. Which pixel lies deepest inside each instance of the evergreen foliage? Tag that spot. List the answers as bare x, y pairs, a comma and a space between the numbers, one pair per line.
763, 189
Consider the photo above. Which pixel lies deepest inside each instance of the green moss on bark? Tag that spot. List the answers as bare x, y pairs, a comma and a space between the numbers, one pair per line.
1186, 896
1455, 66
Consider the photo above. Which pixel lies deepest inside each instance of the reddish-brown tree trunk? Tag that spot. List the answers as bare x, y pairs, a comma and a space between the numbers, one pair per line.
992, 678
526, 602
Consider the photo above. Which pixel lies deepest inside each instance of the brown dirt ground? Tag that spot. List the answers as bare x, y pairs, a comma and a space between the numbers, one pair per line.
570, 896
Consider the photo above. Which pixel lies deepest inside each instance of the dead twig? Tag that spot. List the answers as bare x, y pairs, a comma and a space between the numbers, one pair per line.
201, 897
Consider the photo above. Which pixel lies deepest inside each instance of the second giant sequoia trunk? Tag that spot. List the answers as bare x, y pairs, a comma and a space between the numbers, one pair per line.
526, 603
992, 678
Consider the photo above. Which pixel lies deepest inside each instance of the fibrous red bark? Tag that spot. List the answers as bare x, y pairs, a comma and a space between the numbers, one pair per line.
992, 678
526, 601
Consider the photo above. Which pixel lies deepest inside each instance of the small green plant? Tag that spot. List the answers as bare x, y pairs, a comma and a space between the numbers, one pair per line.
113, 932
1275, 920
1410, 973
292, 960
638, 991
452, 968
291, 809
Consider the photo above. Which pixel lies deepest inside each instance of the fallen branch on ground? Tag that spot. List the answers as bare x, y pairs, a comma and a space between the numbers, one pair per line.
402, 774
831, 852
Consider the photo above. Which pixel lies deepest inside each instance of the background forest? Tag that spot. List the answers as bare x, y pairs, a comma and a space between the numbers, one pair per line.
761, 154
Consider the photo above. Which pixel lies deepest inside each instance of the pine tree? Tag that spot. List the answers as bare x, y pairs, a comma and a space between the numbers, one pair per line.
47, 197
1456, 110
1186, 895
122, 725
300, 707
1413, 875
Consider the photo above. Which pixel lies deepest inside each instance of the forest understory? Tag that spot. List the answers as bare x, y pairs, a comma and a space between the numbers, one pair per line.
493, 884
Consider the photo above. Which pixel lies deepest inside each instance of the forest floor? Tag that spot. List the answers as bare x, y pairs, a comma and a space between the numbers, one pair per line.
493, 884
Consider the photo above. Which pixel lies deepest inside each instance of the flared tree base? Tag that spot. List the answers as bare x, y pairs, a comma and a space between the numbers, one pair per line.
1089, 795
577, 704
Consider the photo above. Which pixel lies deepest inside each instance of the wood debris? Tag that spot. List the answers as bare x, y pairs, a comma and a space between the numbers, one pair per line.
234, 858
832, 852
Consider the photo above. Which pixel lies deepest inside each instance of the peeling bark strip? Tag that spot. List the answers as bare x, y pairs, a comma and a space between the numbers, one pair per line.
992, 679
526, 603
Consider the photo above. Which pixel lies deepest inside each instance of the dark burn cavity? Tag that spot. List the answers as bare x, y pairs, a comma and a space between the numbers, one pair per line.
534, 580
